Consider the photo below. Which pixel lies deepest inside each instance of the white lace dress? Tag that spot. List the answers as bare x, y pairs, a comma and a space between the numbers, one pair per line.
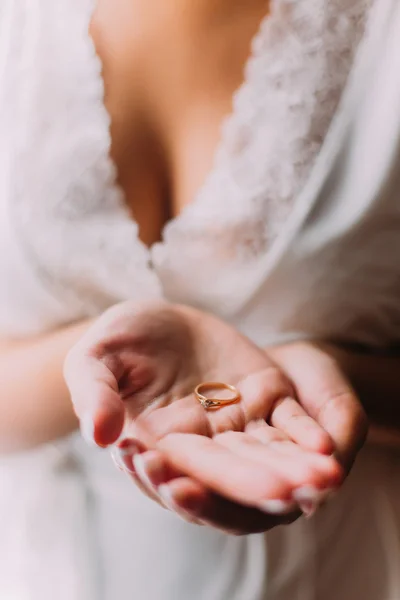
298, 228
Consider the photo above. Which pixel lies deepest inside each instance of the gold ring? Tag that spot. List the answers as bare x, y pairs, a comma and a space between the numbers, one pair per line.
211, 402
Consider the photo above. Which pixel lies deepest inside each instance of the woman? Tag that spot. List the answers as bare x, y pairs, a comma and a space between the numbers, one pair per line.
291, 237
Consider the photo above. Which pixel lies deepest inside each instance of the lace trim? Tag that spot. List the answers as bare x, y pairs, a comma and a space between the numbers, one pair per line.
78, 228
294, 79
72, 216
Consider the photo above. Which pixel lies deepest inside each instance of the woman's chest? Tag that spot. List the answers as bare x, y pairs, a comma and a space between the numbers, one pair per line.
169, 85
70, 214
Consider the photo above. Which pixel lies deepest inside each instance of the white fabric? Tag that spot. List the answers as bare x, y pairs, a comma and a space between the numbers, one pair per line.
300, 210
62, 221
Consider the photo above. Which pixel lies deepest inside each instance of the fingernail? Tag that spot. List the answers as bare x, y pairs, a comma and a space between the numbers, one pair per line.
309, 498
167, 498
308, 508
123, 455
309, 492
115, 455
141, 471
277, 507
87, 430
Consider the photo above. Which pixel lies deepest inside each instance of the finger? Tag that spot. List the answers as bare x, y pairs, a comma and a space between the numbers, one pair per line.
219, 469
147, 468
189, 499
259, 392
277, 440
328, 397
152, 470
185, 497
308, 496
290, 417
123, 460
95, 396
296, 466
124, 452
181, 416
260, 429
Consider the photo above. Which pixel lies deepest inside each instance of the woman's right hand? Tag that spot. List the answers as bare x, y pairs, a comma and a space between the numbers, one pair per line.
134, 373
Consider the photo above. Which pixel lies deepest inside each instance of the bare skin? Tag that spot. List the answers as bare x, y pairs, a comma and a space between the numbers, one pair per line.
243, 466
169, 85
170, 69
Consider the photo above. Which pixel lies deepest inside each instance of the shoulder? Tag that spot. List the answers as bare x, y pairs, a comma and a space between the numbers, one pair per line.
52, 126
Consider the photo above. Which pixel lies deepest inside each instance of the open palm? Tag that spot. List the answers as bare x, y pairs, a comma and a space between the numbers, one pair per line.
134, 373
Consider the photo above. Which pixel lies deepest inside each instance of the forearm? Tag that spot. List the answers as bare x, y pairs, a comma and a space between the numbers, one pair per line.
34, 401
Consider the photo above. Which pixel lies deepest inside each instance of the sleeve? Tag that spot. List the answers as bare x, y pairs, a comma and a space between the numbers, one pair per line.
27, 307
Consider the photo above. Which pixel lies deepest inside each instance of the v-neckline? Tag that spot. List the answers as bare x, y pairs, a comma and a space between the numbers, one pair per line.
159, 262
97, 257
149, 249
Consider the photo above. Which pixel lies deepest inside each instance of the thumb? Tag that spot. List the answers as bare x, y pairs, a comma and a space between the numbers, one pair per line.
95, 396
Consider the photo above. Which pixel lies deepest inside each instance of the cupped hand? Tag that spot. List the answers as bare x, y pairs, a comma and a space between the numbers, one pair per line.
325, 393
237, 468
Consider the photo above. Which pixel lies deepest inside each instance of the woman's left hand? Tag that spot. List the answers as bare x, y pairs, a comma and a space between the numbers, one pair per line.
191, 461
325, 394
